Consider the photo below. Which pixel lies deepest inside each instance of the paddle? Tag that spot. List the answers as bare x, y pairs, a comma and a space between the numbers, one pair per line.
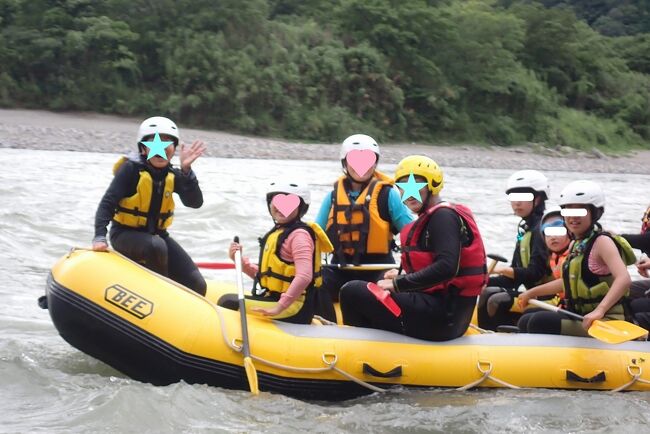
495, 260
383, 296
216, 265
611, 332
251, 373
364, 267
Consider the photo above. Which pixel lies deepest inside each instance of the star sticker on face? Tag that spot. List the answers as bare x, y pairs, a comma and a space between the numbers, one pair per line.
411, 188
156, 147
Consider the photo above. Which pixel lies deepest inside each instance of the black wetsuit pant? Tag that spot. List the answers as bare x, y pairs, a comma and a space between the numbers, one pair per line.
333, 281
494, 304
161, 254
434, 317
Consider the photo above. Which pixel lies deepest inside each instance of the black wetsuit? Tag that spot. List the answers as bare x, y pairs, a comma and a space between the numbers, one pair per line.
437, 316
639, 302
152, 247
505, 288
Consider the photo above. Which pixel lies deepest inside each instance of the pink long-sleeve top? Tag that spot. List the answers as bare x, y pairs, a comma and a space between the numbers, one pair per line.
299, 249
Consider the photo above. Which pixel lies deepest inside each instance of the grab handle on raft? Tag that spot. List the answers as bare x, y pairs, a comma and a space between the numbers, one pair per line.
393, 373
598, 378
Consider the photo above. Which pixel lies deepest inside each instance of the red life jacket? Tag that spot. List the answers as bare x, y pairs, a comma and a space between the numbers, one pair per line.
472, 272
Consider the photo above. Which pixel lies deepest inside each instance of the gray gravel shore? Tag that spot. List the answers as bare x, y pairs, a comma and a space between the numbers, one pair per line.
35, 129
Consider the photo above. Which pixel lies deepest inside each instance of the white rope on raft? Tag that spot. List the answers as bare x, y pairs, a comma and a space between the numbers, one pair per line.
330, 359
486, 375
331, 364
636, 377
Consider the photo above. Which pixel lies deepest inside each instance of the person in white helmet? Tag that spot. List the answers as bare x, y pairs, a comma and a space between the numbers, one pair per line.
361, 216
595, 279
527, 191
289, 270
139, 203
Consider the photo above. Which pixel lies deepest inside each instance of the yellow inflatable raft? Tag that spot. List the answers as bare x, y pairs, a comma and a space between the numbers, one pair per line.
155, 331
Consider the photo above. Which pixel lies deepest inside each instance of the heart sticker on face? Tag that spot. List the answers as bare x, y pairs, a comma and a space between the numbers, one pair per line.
361, 160
285, 203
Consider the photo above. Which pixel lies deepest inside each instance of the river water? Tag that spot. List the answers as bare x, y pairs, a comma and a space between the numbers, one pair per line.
47, 386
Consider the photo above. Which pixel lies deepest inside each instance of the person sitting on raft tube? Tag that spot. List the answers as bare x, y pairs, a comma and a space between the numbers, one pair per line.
557, 240
361, 216
140, 204
640, 289
443, 258
289, 270
594, 276
528, 191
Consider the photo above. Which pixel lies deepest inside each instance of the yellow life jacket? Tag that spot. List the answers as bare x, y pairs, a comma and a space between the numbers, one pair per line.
358, 228
524, 255
132, 211
276, 274
583, 289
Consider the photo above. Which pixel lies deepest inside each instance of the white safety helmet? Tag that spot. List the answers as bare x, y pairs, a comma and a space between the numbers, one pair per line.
290, 188
160, 125
529, 180
583, 193
555, 211
359, 142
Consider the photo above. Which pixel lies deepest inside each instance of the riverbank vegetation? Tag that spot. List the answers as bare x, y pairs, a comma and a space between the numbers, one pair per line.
561, 73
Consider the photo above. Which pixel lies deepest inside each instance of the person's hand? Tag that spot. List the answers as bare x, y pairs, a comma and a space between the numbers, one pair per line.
189, 153
642, 267
276, 310
391, 274
592, 316
523, 298
504, 270
232, 249
100, 246
386, 284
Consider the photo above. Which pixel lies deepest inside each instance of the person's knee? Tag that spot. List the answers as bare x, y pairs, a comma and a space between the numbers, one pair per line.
500, 302
229, 301
197, 283
545, 322
351, 291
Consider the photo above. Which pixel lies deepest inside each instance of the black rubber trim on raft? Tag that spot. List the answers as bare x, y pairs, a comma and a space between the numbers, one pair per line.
144, 357
598, 378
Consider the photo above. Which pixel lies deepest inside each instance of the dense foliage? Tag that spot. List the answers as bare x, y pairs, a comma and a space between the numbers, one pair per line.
502, 72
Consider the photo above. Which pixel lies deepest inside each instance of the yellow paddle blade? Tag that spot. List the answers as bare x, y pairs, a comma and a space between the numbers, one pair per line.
251, 373
616, 332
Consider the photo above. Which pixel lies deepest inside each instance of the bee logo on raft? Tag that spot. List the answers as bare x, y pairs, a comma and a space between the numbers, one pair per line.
129, 301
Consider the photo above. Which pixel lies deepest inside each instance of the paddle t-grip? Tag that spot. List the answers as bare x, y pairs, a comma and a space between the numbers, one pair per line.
495, 260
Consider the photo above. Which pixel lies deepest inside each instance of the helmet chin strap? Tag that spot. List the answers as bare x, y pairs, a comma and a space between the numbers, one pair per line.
425, 203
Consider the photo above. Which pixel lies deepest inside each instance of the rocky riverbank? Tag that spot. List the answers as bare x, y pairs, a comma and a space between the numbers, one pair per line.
35, 129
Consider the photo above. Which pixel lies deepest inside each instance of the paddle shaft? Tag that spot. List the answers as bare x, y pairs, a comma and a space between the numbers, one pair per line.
242, 302
362, 267
547, 306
